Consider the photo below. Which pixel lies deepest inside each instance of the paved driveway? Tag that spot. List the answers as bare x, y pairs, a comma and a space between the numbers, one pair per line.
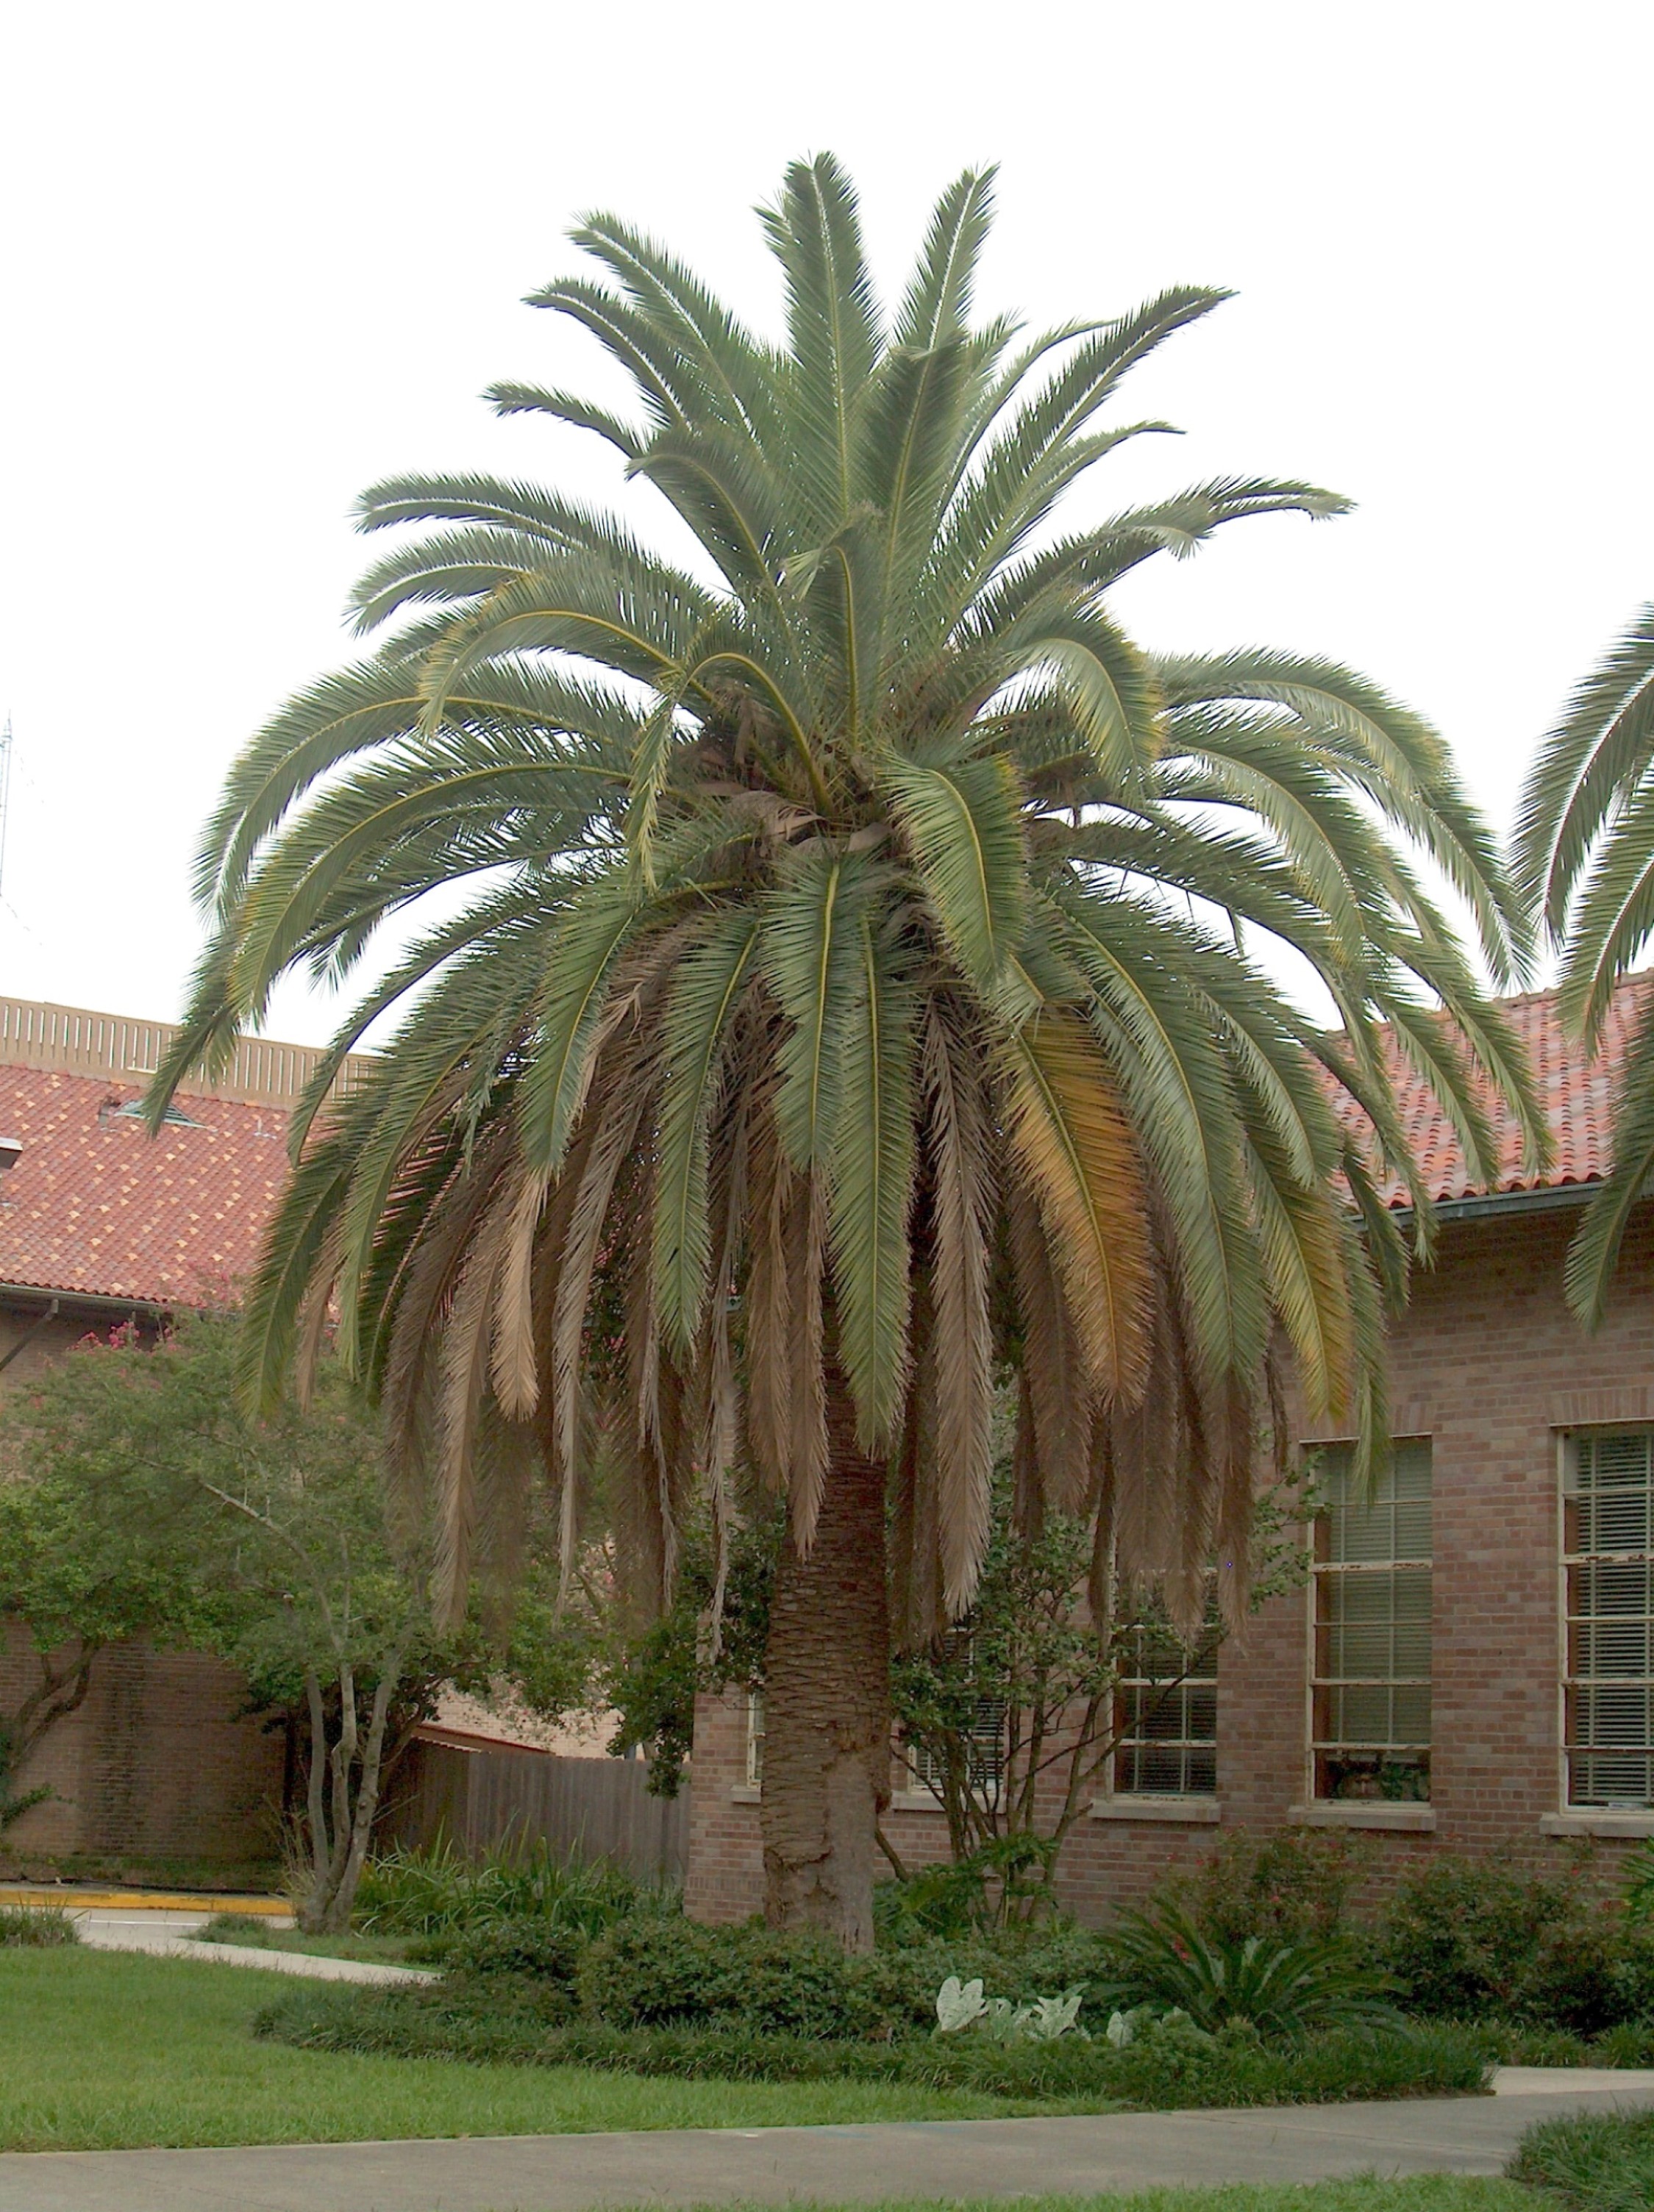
780, 2165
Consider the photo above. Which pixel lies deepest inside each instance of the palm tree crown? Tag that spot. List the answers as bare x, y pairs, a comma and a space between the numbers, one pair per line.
846, 992
1584, 858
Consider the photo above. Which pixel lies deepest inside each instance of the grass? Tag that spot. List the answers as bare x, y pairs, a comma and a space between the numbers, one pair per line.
108, 2050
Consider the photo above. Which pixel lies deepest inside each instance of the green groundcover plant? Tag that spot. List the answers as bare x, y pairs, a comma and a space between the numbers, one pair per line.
438, 1893
1594, 2162
34, 1926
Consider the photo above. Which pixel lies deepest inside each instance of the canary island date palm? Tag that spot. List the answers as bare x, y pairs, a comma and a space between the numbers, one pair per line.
1584, 857
842, 993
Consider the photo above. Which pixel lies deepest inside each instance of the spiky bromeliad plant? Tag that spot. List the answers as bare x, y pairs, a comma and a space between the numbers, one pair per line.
1584, 856
847, 994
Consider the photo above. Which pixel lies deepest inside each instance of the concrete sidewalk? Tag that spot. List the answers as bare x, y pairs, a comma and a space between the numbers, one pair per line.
169, 1935
825, 2165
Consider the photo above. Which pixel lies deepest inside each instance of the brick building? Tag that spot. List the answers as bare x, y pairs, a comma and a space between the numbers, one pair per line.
99, 1225
1472, 1664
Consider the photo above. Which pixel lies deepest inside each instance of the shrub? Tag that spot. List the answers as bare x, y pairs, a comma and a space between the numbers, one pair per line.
676, 1972
1639, 1880
1512, 2043
1278, 1987
1465, 1937
1285, 1888
439, 1892
667, 1971
545, 1950
26, 1925
1596, 2161
1165, 2068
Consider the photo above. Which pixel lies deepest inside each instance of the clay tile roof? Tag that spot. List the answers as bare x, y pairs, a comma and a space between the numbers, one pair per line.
94, 1207
1576, 1093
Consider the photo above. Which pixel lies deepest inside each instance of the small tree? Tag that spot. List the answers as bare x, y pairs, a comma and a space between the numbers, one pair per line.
98, 1544
711, 1638
1010, 1720
264, 1541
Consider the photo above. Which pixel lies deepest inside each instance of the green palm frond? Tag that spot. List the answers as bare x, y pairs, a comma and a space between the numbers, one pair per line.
1583, 852
1598, 754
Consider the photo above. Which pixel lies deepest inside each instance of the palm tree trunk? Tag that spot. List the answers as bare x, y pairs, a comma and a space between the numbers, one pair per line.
827, 1701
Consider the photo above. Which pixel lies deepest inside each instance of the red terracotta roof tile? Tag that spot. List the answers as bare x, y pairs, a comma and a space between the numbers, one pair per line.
95, 1207
1576, 1091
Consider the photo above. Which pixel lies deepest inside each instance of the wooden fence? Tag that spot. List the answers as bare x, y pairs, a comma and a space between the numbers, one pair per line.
597, 1808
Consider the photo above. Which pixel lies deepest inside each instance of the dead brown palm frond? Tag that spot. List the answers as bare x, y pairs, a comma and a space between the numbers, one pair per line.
959, 1338
718, 1386
769, 1308
429, 1279
463, 1376
506, 1466
610, 1137
1071, 1138
515, 1365
918, 1610
804, 1242
1057, 1387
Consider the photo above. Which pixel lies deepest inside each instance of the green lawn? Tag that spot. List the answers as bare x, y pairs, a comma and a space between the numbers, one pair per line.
1426, 2192
108, 2050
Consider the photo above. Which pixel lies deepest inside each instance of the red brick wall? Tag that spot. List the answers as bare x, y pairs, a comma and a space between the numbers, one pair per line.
1488, 1364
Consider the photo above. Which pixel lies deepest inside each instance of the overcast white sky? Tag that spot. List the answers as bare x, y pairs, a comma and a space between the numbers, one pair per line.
253, 259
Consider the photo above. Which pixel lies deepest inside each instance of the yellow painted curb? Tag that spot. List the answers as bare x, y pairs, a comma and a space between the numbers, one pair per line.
143, 1900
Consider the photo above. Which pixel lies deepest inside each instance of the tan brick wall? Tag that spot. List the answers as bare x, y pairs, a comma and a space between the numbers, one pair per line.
1488, 1363
159, 1763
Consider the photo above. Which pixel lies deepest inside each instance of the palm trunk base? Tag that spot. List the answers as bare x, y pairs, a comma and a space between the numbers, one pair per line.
827, 1705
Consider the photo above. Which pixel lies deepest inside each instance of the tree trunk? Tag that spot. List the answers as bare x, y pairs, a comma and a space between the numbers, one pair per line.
827, 1701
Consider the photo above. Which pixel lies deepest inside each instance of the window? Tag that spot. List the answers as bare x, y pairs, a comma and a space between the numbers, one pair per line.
1369, 1697
1608, 1543
983, 1743
1166, 1713
979, 1730
754, 1740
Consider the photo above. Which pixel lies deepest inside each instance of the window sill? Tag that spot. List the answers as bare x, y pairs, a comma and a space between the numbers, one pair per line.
1583, 1822
1195, 1811
1363, 1813
745, 1792
915, 1801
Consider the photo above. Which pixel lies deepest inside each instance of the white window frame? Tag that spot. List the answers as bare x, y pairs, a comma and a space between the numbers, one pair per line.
1314, 1747
1124, 1793
753, 1767
1568, 1442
